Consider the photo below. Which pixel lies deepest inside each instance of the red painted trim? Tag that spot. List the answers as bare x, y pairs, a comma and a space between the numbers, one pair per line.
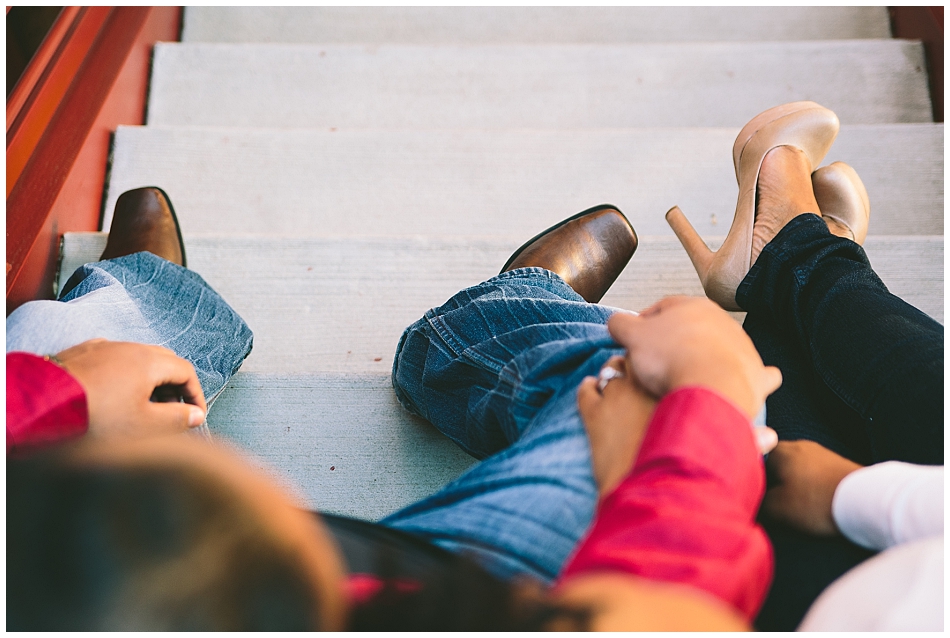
41, 63
60, 185
39, 107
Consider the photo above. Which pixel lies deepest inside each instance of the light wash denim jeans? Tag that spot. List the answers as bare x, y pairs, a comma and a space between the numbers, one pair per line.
496, 368
144, 299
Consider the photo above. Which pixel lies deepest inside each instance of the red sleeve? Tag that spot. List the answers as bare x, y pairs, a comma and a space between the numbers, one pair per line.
45, 404
686, 512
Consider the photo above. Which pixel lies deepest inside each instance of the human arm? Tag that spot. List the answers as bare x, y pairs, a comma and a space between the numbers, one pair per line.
616, 420
805, 475
878, 506
620, 602
45, 404
684, 514
103, 388
690, 341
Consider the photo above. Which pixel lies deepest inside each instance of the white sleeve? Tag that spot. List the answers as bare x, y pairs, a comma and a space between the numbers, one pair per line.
890, 503
900, 589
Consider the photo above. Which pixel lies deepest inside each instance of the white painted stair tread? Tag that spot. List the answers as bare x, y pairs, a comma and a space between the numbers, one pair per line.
536, 25
535, 86
342, 440
340, 304
514, 183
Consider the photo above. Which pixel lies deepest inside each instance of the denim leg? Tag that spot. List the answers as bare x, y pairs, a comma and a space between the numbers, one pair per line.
858, 353
144, 299
496, 369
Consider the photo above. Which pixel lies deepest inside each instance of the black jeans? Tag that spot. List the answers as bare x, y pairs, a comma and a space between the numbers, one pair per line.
862, 375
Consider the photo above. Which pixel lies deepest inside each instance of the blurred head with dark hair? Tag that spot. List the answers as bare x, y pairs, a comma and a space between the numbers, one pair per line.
163, 535
178, 535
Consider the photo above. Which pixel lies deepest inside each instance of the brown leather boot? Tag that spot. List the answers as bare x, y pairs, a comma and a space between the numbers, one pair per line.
145, 220
588, 250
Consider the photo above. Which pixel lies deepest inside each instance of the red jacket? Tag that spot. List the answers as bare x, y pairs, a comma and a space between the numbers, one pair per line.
45, 404
686, 512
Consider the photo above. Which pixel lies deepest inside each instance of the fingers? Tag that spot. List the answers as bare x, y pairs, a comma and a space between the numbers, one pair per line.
589, 394
587, 398
772, 380
616, 364
171, 418
663, 304
167, 368
765, 439
625, 327
622, 326
615, 416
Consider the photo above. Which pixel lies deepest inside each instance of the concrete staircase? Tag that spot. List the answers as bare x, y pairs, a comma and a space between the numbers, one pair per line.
338, 171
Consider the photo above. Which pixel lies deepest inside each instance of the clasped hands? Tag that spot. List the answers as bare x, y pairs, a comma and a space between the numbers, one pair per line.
677, 342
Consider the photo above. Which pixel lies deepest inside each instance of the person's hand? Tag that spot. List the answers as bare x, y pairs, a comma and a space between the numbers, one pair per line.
684, 341
765, 439
616, 421
120, 379
806, 475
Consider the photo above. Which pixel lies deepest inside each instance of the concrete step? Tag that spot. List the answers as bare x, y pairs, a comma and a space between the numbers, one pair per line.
534, 25
342, 440
310, 182
532, 86
321, 304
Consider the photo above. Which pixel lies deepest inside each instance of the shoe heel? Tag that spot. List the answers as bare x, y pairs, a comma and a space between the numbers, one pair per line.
694, 245
842, 197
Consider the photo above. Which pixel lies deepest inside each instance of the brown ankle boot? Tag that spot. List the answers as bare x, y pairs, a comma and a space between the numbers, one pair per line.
144, 220
588, 250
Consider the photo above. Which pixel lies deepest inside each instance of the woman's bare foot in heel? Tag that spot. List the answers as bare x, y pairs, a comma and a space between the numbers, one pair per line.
783, 192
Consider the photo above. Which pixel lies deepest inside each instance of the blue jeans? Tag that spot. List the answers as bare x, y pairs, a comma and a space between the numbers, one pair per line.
496, 369
144, 299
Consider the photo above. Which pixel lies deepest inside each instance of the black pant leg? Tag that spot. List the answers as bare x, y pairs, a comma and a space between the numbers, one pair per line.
804, 408
874, 352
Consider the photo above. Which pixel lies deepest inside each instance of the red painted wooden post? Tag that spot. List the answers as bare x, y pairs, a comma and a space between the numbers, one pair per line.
94, 76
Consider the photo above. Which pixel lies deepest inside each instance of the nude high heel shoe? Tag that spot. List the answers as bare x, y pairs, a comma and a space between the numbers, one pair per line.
804, 125
842, 198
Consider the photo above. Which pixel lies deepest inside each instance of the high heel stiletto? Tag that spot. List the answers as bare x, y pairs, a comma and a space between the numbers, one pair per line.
842, 198
804, 125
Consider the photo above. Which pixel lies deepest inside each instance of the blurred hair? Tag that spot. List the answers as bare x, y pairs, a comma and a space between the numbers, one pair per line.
462, 596
150, 548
